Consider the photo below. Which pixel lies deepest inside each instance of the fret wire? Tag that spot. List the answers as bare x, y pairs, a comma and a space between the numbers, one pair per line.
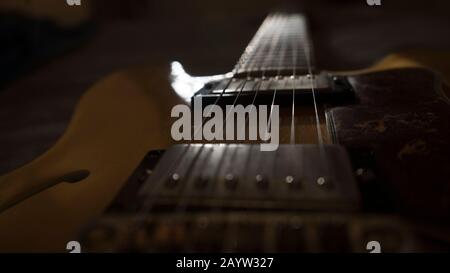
269, 125
254, 43
274, 41
291, 28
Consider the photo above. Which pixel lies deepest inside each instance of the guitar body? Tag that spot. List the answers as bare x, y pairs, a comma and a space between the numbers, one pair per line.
127, 114
116, 122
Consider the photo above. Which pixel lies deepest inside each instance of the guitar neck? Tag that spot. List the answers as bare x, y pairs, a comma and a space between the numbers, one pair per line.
281, 46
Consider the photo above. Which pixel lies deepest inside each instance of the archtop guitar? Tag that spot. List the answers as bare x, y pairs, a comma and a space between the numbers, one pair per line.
360, 157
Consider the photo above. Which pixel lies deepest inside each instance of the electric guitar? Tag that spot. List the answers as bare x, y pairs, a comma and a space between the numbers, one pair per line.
362, 158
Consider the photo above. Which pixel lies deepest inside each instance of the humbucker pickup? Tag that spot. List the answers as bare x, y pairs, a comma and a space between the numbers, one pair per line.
305, 177
262, 90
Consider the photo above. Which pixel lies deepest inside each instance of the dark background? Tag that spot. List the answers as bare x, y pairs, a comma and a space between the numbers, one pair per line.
206, 36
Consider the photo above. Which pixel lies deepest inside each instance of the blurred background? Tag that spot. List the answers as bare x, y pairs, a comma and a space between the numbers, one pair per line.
50, 52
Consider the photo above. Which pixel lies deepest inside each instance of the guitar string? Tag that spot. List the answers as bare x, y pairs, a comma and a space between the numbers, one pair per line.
275, 24
187, 147
255, 41
248, 76
322, 155
148, 204
181, 206
277, 78
269, 22
294, 46
281, 57
294, 90
294, 72
182, 202
241, 61
308, 57
300, 39
264, 30
228, 216
315, 104
238, 97
234, 152
241, 86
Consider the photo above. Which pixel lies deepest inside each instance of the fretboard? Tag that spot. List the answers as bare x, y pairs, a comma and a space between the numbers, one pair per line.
281, 46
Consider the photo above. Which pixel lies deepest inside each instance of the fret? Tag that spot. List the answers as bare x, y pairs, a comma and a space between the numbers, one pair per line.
280, 46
